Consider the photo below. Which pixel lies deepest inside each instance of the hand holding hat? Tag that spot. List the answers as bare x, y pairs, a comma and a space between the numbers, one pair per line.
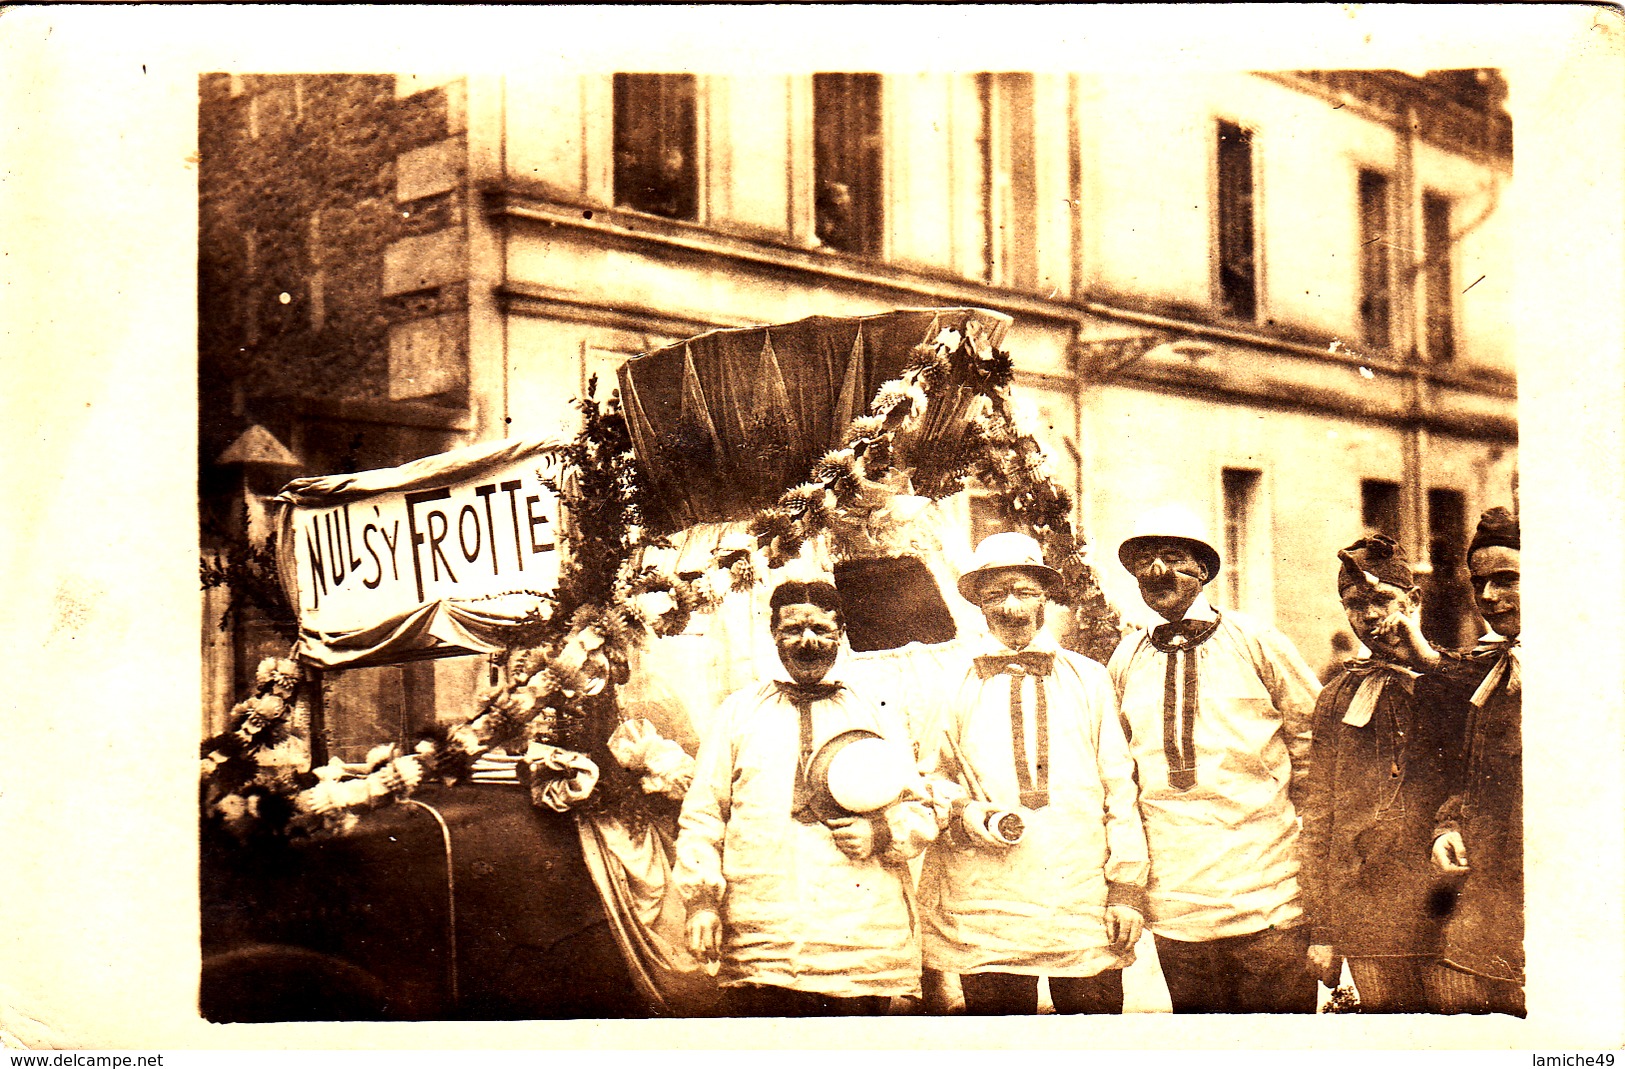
857, 773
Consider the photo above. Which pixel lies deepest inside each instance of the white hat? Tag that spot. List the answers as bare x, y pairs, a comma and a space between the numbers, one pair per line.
857, 771
1173, 523
1007, 550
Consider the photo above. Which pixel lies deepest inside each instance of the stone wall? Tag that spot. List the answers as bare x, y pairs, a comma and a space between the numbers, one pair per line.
331, 267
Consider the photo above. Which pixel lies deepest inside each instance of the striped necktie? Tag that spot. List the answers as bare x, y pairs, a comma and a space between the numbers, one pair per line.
1177, 641
1018, 666
802, 695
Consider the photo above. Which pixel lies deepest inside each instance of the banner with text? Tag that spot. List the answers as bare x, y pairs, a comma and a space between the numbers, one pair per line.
434, 557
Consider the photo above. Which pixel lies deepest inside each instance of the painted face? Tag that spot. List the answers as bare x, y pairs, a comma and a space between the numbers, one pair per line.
1495, 588
1367, 607
1013, 604
808, 638
1169, 575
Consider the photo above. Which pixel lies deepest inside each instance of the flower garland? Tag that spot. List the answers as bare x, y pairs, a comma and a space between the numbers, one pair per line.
556, 693
251, 769
870, 468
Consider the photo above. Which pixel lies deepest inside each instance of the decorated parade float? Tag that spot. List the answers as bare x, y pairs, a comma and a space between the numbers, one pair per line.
514, 863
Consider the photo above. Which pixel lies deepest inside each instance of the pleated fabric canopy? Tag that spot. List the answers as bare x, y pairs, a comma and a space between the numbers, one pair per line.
725, 422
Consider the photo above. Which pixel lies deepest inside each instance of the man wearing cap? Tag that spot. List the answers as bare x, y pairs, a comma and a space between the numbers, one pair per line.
1217, 710
1478, 836
809, 912
1042, 870
1383, 742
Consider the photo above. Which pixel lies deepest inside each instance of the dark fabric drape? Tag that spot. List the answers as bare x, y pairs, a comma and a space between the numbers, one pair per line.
724, 423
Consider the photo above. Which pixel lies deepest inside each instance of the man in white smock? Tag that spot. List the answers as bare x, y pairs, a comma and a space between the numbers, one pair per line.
1217, 709
810, 914
1042, 867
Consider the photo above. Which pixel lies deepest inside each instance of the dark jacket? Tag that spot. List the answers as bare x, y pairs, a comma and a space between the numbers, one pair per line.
1484, 934
1368, 816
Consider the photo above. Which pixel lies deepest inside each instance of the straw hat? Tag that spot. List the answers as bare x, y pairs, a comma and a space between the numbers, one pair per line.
1173, 523
855, 772
1007, 550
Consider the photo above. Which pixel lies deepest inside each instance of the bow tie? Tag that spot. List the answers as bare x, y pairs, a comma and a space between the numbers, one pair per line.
808, 692
1180, 634
1374, 675
1365, 666
1027, 662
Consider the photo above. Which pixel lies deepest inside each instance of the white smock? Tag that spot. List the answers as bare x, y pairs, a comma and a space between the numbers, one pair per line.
797, 912
1223, 850
1038, 907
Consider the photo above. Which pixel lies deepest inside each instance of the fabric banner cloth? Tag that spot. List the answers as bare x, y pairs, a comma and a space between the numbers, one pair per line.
443, 556
632, 871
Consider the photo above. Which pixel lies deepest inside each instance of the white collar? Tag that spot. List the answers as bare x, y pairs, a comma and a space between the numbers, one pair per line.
1201, 610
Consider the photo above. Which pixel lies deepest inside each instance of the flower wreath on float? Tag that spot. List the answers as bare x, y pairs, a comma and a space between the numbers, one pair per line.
554, 712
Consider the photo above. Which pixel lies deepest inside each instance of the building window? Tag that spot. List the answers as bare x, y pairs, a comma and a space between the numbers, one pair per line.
1241, 512
1445, 598
1238, 238
655, 137
846, 162
1380, 507
1376, 267
1439, 287
1010, 164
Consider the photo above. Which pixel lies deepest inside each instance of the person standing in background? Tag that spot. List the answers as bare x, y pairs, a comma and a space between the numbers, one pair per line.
1378, 774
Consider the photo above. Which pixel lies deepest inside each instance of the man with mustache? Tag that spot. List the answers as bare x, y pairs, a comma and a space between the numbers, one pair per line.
1383, 739
809, 916
1042, 870
1217, 710
1478, 837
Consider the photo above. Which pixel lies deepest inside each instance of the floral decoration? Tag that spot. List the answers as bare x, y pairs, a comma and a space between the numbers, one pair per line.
556, 697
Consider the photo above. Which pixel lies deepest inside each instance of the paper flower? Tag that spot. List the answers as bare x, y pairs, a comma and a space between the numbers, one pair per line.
670, 770
268, 707
654, 605
638, 746
559, 779
275, 669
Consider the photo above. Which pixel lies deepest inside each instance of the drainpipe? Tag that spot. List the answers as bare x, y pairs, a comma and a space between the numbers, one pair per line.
1414, 494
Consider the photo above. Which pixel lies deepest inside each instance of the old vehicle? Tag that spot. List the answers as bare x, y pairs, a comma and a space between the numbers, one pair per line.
463, 902
516, 864
456, 900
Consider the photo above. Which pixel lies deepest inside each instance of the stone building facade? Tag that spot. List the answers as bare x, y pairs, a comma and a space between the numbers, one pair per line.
1280, 298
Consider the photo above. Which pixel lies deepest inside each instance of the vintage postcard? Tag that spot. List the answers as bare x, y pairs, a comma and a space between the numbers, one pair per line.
631, 507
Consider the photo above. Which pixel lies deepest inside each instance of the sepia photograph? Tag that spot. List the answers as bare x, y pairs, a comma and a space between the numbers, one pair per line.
650, 537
